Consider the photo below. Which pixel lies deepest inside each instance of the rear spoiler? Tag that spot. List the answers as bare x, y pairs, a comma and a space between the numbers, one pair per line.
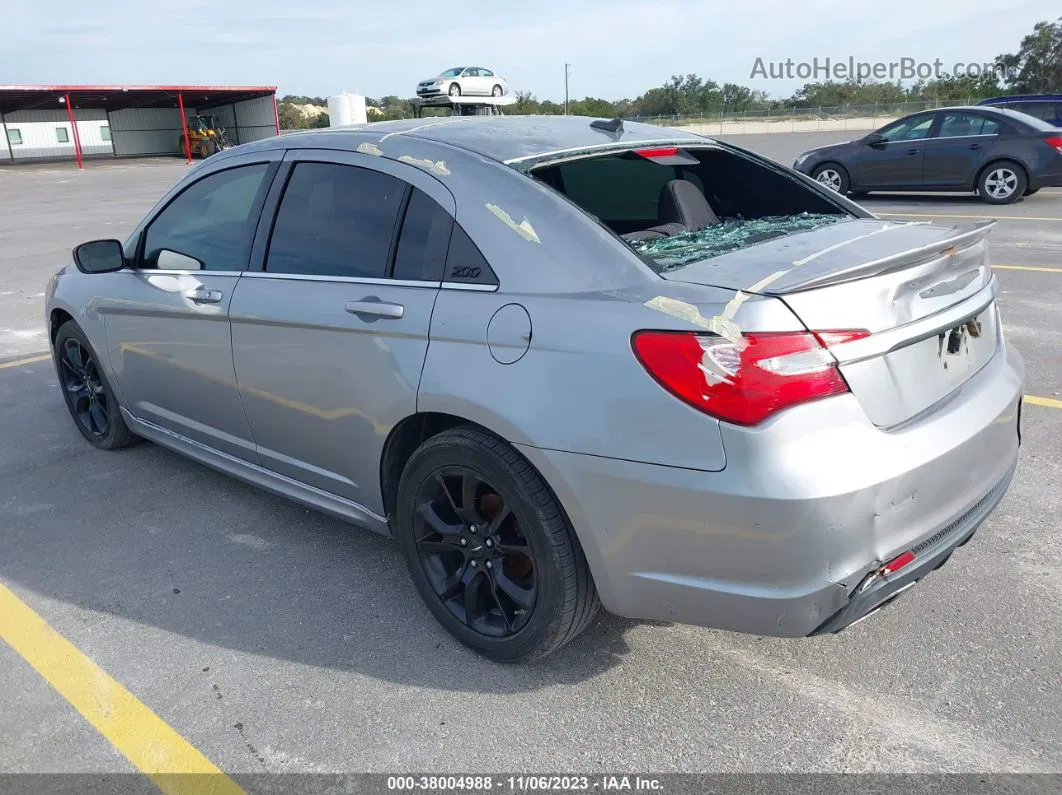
965, 236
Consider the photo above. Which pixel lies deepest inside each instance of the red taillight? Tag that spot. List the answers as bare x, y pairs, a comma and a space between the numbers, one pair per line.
744, 382
1056, 142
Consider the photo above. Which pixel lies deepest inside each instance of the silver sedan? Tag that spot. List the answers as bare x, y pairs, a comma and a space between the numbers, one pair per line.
564, 363
464, 81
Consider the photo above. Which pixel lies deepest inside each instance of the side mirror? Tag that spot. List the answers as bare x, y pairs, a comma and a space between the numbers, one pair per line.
99, 256
175, 261
874, 139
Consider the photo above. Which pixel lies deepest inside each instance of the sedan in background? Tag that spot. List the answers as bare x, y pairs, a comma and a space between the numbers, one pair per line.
464, 81
1000, 154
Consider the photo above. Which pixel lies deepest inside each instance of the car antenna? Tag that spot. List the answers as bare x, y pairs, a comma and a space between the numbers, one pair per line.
613, 126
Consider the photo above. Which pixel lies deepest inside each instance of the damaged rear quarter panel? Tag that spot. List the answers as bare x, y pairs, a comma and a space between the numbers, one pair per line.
579, 386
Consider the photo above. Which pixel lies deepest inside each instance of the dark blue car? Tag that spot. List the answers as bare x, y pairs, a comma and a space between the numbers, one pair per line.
1000, 154
1046, 107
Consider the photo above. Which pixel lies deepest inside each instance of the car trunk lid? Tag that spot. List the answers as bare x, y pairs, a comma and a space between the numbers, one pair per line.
925, 293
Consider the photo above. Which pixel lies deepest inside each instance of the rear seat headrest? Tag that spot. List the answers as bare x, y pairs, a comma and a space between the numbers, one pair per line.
681, 202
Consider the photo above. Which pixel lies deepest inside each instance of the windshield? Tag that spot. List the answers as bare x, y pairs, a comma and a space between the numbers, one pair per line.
457, 70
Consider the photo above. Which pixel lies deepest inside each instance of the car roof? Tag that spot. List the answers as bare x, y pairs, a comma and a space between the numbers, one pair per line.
518, 139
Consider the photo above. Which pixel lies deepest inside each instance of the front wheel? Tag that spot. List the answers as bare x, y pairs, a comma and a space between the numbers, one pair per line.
1002, 183
833, 177
490, 550
496, 91
88, 396
455, 90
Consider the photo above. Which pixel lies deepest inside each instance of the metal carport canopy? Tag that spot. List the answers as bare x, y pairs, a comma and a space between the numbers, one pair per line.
16, 98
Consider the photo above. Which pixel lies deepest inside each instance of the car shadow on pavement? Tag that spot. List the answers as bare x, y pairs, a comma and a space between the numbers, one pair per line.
148, 536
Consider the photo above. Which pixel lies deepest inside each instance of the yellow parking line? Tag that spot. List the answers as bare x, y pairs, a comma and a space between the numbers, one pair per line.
154, 748
1051, 403
978, 217
1028, 268
31, 360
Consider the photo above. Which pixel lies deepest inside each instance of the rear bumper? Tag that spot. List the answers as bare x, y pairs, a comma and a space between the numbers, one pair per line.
1046, 181
782, 540
877, 590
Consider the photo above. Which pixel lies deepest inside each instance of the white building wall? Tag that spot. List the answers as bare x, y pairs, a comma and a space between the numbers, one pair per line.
255, 119
40, 132
147, 131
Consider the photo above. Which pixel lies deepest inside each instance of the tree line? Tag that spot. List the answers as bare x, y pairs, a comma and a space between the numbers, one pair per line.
1035, 68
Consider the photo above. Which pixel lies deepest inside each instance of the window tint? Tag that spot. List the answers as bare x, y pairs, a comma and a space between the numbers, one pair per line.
421, 252
14, 136
213, 220
960, 125
335, 220
616, 188
464, 263
62, 135
908, 129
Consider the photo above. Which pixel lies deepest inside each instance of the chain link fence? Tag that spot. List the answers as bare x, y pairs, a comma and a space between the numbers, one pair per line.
794, 119
814, 119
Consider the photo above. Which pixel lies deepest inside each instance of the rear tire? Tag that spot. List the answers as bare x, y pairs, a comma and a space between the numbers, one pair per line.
86, 392
833, 176
1002, 182
489, 548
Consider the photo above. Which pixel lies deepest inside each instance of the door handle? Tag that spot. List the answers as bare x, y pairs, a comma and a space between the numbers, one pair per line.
204, 295
912, 151
976, 146
372, 308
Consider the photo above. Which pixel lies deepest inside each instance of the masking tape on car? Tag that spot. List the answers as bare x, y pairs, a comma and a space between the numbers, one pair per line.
524, 228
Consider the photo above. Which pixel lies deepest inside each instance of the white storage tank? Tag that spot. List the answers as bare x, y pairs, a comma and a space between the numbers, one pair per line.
345, 109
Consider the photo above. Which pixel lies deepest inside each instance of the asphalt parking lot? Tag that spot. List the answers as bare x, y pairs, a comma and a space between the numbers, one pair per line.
274, 639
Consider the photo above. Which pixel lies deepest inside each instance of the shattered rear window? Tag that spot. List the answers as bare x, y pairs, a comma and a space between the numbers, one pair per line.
730, 234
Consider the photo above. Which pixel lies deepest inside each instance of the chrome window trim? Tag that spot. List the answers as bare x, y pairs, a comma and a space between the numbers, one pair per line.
472, 288
164, 272
309, 277
300, 277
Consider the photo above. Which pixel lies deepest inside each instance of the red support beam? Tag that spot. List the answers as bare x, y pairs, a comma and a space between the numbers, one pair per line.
276, 114
184, 126
73, 130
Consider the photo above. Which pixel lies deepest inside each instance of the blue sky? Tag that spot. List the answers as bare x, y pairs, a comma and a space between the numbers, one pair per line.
616, 49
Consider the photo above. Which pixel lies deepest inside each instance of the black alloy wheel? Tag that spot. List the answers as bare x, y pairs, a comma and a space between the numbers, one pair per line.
88, 396
474, 553
83, 387
489, 547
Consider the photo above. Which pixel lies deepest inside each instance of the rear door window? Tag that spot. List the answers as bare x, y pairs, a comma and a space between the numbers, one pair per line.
422, 246
212, 221
335, 220
962, 125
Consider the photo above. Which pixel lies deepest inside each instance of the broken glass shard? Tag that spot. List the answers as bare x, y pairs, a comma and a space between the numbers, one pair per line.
728, 235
